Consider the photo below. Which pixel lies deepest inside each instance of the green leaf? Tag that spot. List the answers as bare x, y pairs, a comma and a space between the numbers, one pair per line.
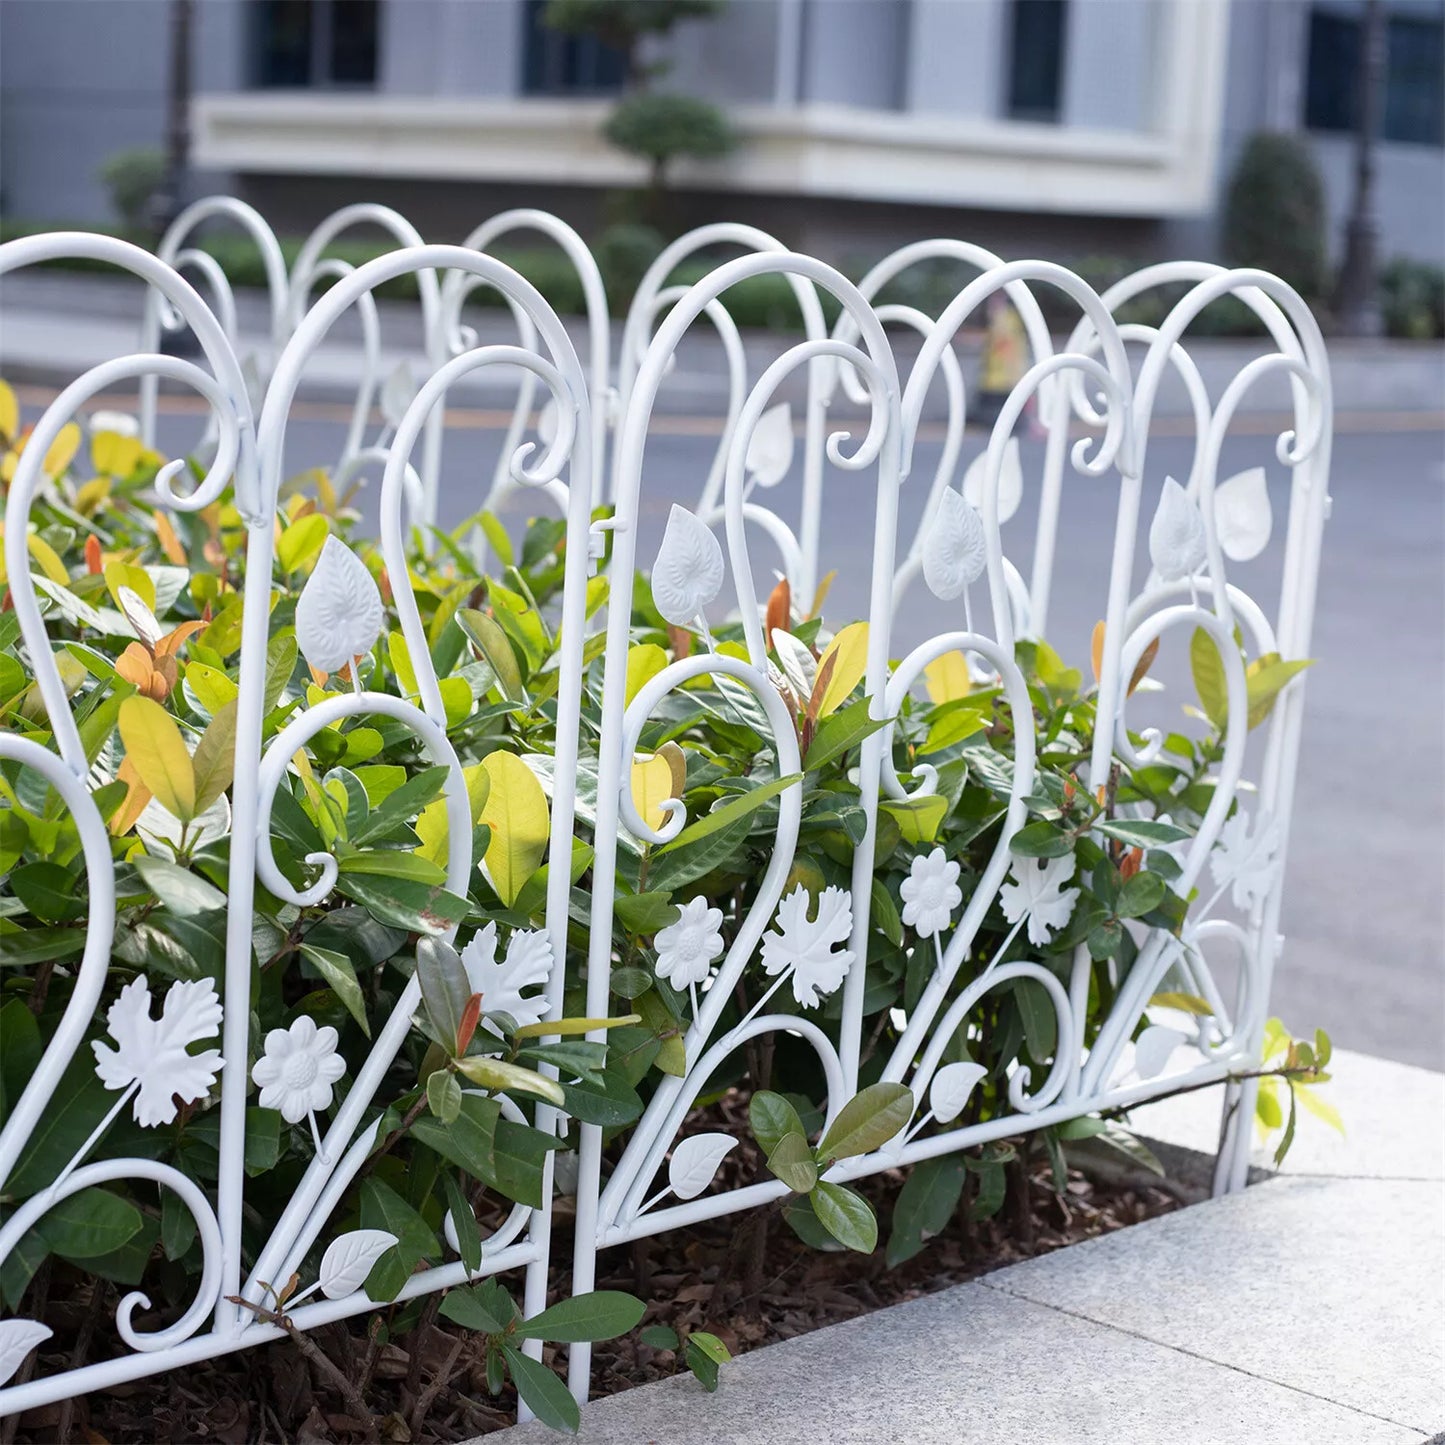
702, 1355
444, 989
1209, 678
215, 757
444, 1095
485, 1307
383, 1208
542, 1392
867, 1121
90, 1224
464, 1221
1142, 894
1264, 679
416, 907
183, 892
339, 972
601, 1315
844, 730
25, 947
1041, 840
660, 1337
730, 812
645, 913
925, 1204
492, 643
1145, 834
846, 1216
50, 892
608, 1100
506, 1156
498, 1076
771, 1117
791, 1160
918, 819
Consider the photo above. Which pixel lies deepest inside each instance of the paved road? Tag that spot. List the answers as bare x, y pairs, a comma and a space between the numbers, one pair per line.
1363, 916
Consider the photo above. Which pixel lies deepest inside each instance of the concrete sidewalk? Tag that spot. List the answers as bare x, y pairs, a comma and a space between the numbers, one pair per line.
1308, 1308
53, 325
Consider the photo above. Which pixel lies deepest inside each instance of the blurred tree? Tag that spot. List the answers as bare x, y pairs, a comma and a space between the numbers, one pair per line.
1357, 288
1274, 213
622, 24
659, 126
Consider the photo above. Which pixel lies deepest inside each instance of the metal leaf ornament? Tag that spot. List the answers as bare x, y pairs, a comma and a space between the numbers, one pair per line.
695, 1161
349, 1259
952, 1085
688, 572
339, 614
1010, 481
17, 1339
1243, 519
954, 550
1176, 535
1153, 1049
151, 1059
770, 448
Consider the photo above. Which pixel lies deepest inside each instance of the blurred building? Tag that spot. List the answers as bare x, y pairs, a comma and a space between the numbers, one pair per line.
1057, 126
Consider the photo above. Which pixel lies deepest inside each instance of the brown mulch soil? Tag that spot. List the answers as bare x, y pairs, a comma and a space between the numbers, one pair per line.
774, 1288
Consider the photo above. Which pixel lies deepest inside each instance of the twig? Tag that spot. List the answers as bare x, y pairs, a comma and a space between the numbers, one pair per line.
423, 1326
322, 1361
438, 1383
77, 1358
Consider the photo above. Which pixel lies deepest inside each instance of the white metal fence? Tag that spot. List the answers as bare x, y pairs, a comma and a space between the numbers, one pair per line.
1095, 401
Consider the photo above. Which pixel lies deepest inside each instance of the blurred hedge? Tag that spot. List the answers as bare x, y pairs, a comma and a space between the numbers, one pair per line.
1412, 293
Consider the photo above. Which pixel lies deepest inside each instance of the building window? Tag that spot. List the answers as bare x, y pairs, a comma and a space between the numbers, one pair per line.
1414, 110
315, 43
558, 64
1036, 59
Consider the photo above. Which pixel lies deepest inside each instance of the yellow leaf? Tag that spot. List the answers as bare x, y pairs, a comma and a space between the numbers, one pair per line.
133, 805
849, 649
431, 823
92, 494
652, 785
215, 759
644, 662
134, 665
153, 743
213, 689
302, 541
1096, 649
125, 574
947, 679
170, 542
401, 664
516, 812
114, 455
47, 558
821, 595
1320, 1108
9, 412
62, 449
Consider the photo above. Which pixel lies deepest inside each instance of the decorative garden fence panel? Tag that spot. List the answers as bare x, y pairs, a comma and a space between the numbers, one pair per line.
802, 951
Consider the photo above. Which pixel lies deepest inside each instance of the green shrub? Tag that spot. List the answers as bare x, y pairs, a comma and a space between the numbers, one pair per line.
132, 178
1412, 299
1274, 212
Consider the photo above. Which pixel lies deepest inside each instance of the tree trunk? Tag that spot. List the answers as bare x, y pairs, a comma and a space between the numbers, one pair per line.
1357, 302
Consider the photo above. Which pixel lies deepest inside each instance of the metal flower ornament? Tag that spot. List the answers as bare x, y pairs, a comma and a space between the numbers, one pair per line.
687, 947
297, 1071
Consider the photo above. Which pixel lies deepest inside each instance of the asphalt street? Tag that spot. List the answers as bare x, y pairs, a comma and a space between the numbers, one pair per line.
1363, 918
